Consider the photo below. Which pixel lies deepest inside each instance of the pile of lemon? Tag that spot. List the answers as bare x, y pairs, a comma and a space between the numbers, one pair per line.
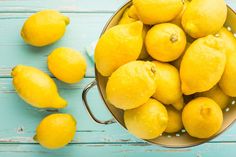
38, 89
171, 65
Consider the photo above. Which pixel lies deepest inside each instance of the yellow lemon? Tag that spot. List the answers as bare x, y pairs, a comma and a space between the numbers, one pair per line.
117, 46
217, 95
133, 13
168, 89
157, 11
132, 84
227, 82
144, 54
178, 61
178, 105
204, 17
202, 117
177, 20
126, 19
44, 28
66, 64
202, 65
174, 120
147, 121
36, 87
56, 130
165, 42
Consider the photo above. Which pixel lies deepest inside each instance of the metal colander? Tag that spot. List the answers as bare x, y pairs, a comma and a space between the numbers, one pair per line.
177, 140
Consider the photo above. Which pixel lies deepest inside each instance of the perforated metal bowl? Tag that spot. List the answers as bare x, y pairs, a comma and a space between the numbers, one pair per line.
180, 139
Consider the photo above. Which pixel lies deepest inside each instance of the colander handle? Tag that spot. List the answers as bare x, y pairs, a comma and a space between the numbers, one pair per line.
85, 101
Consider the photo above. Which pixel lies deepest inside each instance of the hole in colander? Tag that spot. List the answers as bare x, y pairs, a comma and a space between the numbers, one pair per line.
183, 130
169, 136
227, 109
177, 135
233, 102
235, 35
229, 28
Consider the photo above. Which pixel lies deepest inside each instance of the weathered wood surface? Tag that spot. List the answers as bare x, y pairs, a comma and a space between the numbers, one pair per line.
18, 120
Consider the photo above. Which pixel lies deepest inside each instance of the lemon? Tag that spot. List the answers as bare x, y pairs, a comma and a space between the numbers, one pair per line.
36, 87
147, 121
202, 65
165, 42
174, 120
204, 17
157, 11
144, 54
217, 95
227, 82
178, 105
132, 84
133, 13
178, 61
56, 130
126, 19
44, 28
168, 89
202, 117
177, 20
66, 64
117, 46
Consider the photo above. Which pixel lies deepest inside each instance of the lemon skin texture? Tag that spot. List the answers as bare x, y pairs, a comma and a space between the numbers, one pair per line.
44, 28
147, 121
132, 84
66, 64
202, 117
202, 65
168, 89
165, 42
227, 82
36, 88
56, 130
157, 11
204, 17
174, 120
117, 46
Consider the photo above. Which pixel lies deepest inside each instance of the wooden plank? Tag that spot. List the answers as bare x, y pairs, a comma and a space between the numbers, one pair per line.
61, 5
20, 127
117, 150
83, 29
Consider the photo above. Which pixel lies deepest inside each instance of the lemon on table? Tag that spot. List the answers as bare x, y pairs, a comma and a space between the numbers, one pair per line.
44, 28
165, 42
168, 90
202, 65
227, 82
202, 117
66, 64
36, 87
204, 17
174, 120
147, 121
117, 46
56, 130
157, 11
217, 95
132, 84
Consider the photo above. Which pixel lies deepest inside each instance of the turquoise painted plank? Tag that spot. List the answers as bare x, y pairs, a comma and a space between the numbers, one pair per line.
68, 5
83, 29
62, 5
20, 127
118, 150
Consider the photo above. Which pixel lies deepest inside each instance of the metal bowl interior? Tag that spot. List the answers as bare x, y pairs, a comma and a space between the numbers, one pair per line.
180, 139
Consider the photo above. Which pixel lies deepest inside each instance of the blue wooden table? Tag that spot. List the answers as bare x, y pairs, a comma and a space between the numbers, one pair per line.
18, 120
